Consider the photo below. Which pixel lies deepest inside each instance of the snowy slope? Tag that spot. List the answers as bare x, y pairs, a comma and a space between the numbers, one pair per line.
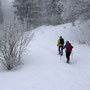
44, 69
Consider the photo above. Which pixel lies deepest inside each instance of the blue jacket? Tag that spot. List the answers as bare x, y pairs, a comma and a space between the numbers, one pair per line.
65, 47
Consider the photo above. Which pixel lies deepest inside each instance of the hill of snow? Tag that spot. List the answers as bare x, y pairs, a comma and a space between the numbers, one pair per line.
82, 31
45, 69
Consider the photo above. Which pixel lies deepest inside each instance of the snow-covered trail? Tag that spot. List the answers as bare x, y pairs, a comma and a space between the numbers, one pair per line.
53, 71
44, 69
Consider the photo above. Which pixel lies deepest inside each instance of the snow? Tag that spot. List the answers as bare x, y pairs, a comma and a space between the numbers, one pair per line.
45, 69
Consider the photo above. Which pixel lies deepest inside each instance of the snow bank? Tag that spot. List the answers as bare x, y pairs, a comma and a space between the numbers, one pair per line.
82, 31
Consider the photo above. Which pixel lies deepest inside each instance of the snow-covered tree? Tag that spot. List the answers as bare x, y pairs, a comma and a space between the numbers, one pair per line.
28, 11
74, 9
52, 12
13, 38
57, 9
1, 13
39, 12
13, 42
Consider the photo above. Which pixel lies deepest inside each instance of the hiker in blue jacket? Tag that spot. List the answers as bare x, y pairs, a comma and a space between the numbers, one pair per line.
68, 47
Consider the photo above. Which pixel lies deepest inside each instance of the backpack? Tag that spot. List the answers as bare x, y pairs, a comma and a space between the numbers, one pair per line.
68, 47
61, 41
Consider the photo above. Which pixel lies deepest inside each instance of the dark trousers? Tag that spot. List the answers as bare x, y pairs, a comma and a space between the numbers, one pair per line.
68, 56
60, 50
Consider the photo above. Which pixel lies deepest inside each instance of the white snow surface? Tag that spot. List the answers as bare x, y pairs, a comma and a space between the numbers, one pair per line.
45, 69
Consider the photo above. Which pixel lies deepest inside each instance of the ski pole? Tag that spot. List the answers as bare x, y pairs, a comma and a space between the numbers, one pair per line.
57, 48
72, 55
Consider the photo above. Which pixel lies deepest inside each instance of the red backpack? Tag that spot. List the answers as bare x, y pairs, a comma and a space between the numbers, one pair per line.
68, 47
